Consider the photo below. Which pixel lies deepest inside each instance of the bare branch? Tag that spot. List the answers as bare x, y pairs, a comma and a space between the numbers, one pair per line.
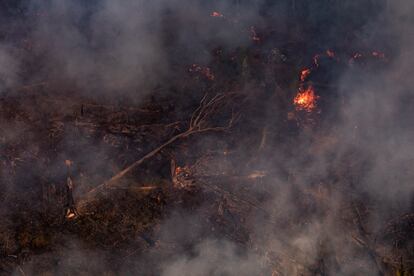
198, 124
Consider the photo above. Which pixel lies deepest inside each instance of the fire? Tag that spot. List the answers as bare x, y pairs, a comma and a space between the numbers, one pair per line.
256, 174
204, 71
357, 55
253, 34
216, 14
306, 99
378, 54
208, 74
70, 214
304, 74
375, 54
330, 53
178, 170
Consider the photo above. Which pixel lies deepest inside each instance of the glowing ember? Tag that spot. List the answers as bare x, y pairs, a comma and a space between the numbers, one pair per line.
378, 54
253, 34
70, 214
357, 55
208, 74
306, 99
375, 54
354, 57
304, 74
68, 163
216, 14
178, 170
330, 53
257, 174
204, 71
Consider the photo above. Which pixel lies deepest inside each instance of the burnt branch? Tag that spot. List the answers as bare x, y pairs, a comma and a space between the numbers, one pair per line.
364, 241
200, 122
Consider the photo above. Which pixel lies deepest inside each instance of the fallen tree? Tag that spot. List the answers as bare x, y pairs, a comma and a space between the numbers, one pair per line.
200, 122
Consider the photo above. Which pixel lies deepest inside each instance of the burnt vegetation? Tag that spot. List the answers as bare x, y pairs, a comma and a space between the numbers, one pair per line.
234, 150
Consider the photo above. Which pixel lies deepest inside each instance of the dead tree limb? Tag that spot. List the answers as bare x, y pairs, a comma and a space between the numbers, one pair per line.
199, 123
365, 242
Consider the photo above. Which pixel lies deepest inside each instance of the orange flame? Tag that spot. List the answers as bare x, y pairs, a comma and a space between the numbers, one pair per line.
204, 71
357, 55
178, 170
378, 54
304, 74
253, 34
375, 54
306, 99
330, 53
216, 14
208, 74
70, 213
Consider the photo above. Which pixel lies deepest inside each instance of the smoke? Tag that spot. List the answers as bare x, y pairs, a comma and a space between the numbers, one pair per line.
216, 258
115, 50
371, 140
103, 47
9, 66
359, 154
378, 111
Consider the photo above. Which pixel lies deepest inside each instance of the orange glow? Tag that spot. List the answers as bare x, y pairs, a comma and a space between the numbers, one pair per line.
208, 74
357, 55
304, 74
204, 71
305, 99
253, 34
216, 14
330, 53
70, 214
178, 170
378, 54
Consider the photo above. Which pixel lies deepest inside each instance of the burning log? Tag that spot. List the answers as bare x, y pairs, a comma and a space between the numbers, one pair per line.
305, 74
306, 99
70, 209
181, 176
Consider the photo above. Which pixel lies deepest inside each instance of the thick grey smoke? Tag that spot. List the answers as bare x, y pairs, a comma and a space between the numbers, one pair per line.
364, 154
126, 49
9, 67
377, 117
107, 47
215, 258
